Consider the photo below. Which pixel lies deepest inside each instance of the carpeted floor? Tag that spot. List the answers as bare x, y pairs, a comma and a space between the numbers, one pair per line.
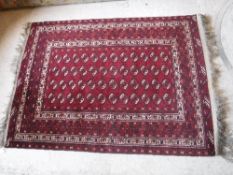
59, 162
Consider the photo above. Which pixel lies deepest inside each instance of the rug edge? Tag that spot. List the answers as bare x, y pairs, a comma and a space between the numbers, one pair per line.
15, 68
218, 98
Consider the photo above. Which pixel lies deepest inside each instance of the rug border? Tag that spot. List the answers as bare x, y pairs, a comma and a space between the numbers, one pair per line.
210, 71
223, 134
18, 60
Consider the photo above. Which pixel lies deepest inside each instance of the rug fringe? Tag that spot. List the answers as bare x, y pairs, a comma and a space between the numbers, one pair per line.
15, 66
225, 136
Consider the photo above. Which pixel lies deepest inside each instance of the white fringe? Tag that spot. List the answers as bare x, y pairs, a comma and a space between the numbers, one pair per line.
224, 135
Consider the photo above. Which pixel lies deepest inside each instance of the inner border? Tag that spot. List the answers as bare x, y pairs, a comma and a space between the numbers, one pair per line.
129, 117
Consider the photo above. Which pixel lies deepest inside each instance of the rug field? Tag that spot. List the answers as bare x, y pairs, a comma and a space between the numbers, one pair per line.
130, 85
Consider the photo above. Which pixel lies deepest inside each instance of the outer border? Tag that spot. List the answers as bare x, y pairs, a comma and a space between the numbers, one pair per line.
20, 57
207, 58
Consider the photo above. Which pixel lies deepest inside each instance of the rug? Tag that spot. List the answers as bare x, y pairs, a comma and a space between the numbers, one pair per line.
131, 85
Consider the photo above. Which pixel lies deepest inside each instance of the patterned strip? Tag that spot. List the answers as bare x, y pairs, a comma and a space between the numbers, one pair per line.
198, 116
26, 82
138, 24
129, 117
114, 141
123, 42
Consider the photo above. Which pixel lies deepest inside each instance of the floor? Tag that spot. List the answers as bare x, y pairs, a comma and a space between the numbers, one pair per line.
37, 162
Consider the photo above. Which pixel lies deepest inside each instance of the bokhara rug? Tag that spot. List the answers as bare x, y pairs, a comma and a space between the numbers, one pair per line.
133, 85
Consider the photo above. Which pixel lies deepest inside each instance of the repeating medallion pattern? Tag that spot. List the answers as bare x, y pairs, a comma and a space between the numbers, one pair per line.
133, 85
